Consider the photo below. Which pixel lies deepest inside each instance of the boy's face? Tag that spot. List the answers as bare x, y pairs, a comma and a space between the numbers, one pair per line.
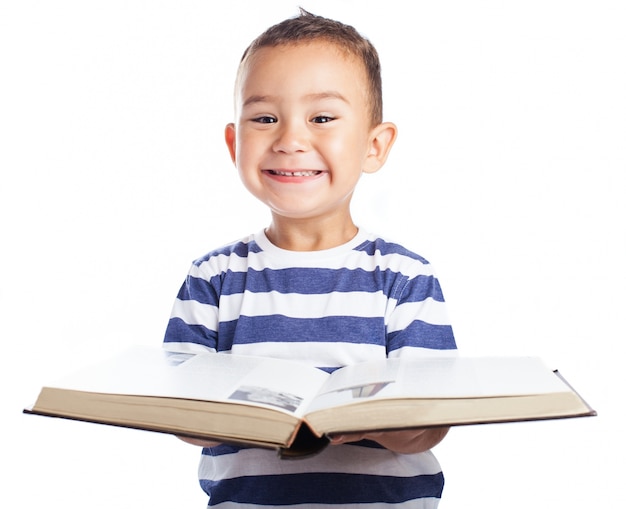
303, 133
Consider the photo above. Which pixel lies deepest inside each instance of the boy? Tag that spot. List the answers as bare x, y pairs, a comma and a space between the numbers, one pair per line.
313, 286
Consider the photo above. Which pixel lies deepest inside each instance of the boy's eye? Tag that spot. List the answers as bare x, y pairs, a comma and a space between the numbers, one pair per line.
264, 120
322, 119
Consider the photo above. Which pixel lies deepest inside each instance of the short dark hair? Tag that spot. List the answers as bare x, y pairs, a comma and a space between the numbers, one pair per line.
307, 27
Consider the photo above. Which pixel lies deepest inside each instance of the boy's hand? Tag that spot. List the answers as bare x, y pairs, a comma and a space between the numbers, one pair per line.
200, 442
404, 441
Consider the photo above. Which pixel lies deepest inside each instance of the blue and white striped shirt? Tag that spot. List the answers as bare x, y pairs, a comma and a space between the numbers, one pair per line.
363, 300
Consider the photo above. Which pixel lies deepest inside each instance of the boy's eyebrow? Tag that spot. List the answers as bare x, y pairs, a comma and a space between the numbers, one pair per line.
257, 99
330, 94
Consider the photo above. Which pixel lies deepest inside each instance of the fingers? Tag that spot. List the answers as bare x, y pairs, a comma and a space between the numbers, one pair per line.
348, 437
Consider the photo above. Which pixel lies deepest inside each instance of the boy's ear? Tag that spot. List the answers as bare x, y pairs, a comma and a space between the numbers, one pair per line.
382, 138
230, 137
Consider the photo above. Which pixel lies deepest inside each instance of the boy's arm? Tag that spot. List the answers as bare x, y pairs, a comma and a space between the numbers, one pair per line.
427, 331
403, 442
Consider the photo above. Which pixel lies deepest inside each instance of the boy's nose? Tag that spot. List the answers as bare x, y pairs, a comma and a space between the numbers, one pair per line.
291, 138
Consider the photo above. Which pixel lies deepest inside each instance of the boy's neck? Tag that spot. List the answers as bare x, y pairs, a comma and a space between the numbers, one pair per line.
309, 236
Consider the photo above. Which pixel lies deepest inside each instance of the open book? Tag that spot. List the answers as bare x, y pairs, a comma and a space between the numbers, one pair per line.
294, 407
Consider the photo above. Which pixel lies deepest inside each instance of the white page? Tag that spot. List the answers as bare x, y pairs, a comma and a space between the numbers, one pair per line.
149, 371
440, 377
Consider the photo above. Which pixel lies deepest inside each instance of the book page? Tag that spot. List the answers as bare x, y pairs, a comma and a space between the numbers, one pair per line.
438, 377
473, 377
146, 371
365, 379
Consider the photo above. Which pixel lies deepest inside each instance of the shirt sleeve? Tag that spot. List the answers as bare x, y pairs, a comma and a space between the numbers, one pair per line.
193, 323
419, 321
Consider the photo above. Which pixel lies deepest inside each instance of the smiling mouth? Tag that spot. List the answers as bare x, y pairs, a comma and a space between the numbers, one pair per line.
298, 173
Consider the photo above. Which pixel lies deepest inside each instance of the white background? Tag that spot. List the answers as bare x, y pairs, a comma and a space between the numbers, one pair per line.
508, 175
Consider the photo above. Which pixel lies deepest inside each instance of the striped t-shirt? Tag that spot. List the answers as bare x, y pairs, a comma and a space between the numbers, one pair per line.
364, 300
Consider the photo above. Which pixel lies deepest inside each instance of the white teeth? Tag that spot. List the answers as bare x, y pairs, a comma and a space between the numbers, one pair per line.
309, 173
